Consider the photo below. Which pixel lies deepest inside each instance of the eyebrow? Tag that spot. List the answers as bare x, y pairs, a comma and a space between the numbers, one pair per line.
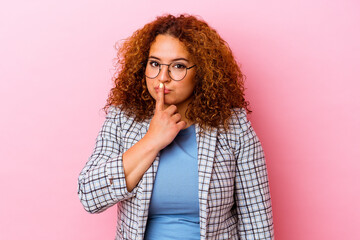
176, 59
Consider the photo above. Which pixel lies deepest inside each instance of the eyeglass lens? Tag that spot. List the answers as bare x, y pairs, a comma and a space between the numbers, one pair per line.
177, 71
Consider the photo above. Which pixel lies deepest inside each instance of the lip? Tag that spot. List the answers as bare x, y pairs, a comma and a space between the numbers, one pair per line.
166, 90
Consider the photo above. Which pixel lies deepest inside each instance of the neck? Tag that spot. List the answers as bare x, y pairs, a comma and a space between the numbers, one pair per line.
184, 118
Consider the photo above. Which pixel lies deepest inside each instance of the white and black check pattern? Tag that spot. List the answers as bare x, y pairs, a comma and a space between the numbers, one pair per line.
234, 192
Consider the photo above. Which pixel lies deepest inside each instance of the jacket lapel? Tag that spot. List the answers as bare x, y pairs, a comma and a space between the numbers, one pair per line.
206, 141
145, 188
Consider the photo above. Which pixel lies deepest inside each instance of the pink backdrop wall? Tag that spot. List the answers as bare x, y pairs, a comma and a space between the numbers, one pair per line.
301, 59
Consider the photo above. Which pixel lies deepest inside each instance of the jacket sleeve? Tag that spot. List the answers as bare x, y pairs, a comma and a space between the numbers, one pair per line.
101, 183
252, 193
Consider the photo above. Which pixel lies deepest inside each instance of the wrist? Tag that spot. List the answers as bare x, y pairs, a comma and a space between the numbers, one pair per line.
150, 144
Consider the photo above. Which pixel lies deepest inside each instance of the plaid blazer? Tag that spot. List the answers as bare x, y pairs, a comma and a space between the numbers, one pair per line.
234, 197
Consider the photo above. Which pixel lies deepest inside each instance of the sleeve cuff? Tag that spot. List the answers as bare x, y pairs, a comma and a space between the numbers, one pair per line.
116, 179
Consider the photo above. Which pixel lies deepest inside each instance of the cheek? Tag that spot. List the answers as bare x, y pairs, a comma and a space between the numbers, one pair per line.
190, 86
186, 91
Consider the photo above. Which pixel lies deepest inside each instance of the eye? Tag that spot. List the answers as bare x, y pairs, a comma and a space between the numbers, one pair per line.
153, 63
178, 65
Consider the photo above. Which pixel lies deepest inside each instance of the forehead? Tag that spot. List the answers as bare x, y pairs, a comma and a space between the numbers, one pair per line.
166, 47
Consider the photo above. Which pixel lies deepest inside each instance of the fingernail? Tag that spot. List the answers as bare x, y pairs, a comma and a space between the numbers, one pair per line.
161, 85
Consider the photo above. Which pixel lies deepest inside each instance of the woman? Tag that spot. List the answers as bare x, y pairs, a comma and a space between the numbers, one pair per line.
176, 152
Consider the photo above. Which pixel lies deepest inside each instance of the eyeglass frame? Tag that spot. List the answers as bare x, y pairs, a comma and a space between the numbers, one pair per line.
168, 65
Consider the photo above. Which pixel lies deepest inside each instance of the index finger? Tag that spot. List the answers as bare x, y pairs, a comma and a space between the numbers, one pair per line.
160, 97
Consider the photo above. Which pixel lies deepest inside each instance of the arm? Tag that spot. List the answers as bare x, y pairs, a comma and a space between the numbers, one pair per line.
111, 175
252, 195
101, 182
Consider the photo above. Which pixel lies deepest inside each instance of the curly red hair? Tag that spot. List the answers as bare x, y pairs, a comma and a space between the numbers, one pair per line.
219, 82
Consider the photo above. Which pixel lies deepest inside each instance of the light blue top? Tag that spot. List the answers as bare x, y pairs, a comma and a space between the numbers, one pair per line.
174, 206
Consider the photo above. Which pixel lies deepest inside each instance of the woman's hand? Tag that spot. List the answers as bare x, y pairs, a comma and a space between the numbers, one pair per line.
164, 126
166, 122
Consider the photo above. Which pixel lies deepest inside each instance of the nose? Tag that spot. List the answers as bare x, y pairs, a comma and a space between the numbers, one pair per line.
164, 74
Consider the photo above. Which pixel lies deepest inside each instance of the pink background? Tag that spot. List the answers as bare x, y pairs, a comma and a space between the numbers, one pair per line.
301, 59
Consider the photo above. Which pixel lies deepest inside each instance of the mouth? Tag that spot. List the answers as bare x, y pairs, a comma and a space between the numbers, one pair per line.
166, 90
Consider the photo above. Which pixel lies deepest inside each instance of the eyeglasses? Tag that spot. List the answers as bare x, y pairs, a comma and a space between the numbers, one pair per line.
177, 71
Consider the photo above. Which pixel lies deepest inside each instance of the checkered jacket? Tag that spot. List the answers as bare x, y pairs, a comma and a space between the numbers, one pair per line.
234, 197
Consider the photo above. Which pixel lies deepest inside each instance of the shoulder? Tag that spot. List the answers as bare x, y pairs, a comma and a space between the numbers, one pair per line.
114, 114
238, 121
242, 129
238, 125
238, 116
121, 118
114, 111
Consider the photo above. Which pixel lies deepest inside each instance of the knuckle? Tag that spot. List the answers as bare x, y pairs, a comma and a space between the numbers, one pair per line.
173, 107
